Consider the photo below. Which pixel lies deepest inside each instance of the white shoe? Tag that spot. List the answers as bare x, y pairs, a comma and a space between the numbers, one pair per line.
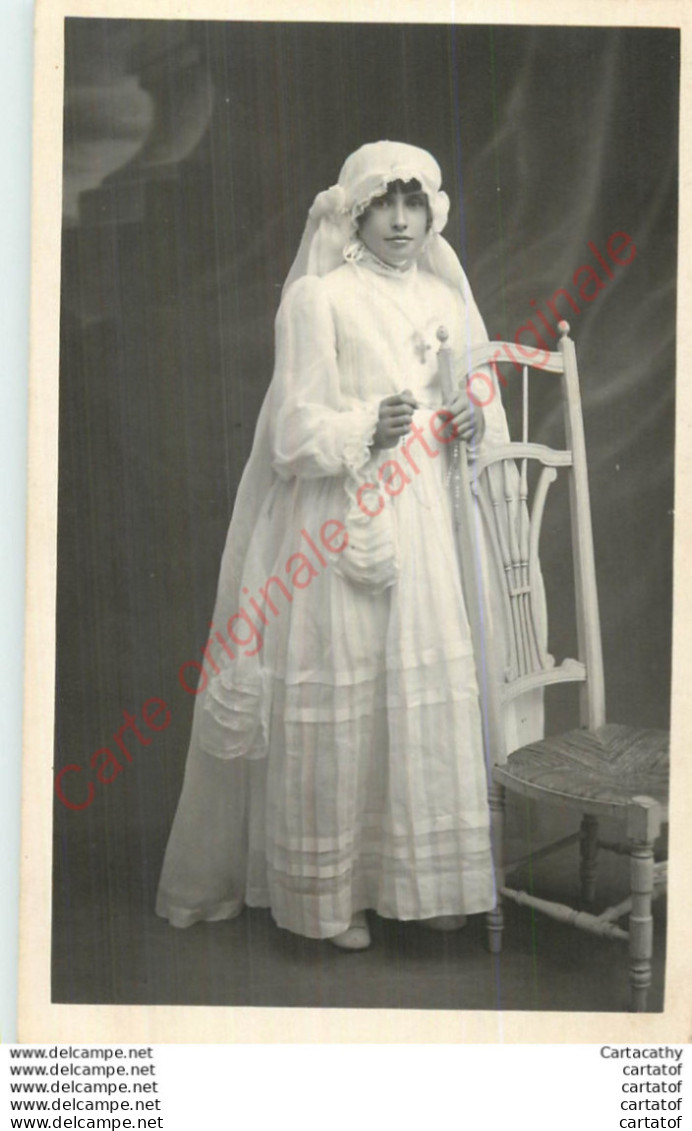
444, 922
356, 936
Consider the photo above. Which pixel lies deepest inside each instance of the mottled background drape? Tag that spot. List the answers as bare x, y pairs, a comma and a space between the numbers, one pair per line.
192, 151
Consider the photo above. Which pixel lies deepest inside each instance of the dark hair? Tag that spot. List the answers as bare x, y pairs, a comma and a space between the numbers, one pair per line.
404, 187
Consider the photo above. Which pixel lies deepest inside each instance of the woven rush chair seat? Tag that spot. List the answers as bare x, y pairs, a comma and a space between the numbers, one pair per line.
608, 766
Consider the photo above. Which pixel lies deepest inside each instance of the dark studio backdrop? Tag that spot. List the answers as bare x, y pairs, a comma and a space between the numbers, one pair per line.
192, 152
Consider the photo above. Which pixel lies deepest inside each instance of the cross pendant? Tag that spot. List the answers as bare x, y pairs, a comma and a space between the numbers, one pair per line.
421, 348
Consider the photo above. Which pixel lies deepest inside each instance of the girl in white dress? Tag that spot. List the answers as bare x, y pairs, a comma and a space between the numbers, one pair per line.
336, 762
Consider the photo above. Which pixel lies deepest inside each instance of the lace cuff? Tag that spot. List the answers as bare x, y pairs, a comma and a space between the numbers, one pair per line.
362, 425
371, 555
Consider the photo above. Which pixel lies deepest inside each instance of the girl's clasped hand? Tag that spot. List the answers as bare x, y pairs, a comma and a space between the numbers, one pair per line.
466, 420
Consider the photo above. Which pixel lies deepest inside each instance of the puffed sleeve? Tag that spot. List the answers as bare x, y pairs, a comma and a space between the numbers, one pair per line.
315, 431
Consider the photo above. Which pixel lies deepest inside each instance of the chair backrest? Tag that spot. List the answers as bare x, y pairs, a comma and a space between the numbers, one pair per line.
510, 525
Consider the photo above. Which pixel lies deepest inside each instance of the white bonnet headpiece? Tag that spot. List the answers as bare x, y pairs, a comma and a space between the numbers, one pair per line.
331, 224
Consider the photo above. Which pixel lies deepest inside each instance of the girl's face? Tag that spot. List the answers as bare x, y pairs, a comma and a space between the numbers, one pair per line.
394, 226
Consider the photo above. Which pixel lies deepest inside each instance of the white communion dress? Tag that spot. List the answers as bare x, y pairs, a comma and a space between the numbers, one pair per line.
336, 761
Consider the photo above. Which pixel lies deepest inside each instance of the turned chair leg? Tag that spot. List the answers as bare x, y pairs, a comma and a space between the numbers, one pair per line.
588, 860
643, 827
495, 918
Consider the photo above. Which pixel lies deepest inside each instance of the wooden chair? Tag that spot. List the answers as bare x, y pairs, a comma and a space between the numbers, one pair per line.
599, 770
